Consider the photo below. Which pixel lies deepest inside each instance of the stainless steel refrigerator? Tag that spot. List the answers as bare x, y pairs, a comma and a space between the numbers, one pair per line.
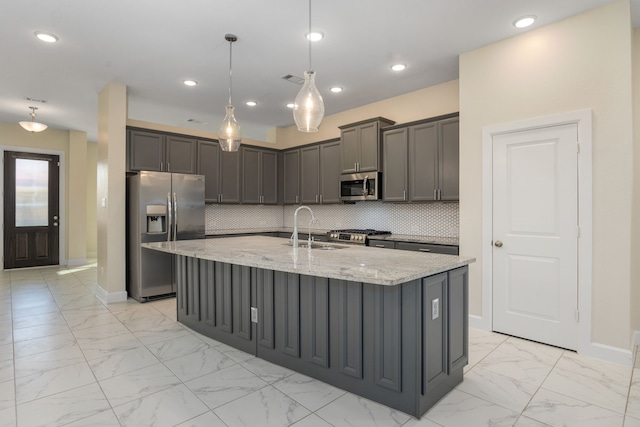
160, 207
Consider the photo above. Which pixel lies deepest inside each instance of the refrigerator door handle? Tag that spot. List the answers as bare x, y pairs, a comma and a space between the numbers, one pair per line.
170, 222
175, 217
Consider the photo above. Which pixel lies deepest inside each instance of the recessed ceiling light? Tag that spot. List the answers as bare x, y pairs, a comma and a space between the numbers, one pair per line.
252, 103
336, 89
190, 83
46, 37
291, 105
524, 21
398, 67
314, 36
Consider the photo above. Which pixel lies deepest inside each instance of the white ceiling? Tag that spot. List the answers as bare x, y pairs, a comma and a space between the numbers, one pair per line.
153, 45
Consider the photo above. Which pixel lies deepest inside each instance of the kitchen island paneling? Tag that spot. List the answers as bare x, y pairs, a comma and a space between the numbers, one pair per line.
390, 326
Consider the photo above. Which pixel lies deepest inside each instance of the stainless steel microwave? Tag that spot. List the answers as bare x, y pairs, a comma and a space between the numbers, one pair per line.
360, 186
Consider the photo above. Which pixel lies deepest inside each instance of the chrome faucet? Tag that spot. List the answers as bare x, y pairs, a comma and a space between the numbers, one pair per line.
295, 225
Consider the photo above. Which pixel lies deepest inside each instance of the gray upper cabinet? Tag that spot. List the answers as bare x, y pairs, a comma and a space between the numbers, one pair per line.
310, 175
208, 165
449, 157
394, 150
162, 153
221, 171
420, 162
259, 176
361, 145
330, 172
291, 177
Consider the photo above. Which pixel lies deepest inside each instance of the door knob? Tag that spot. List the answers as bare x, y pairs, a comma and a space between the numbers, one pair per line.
498, 244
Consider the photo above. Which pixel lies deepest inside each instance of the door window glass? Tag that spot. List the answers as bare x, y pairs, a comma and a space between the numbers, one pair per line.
32, 189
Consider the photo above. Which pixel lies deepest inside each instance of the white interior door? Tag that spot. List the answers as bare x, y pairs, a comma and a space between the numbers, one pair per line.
535, 232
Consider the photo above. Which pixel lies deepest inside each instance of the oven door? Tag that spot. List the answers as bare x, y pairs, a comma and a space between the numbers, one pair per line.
360, 186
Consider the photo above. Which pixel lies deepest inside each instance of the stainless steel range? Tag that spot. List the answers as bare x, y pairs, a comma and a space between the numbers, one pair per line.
354, 235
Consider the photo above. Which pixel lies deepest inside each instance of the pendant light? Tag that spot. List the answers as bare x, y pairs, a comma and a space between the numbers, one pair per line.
229, 134
33, 126
308, 109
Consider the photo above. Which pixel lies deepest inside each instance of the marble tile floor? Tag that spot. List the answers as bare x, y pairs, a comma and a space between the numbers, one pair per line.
66, 359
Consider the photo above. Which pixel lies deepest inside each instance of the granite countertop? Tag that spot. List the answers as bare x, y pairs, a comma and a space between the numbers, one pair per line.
353, 262
413, 238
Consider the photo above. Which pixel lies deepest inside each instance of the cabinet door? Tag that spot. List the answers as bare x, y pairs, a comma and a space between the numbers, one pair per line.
291, 177
208, 161
269, 177
330, 172
251, 175
146, 151
394, 155
350, 149
423, 162
458, 319
181, 154
388, 244
310, 175
230, 177
369, 138
434, 329
449, 177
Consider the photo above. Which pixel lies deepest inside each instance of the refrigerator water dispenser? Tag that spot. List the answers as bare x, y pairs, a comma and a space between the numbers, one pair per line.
156, 219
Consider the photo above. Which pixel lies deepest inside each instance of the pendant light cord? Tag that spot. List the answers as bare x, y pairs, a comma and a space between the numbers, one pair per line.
230, 73
309, 37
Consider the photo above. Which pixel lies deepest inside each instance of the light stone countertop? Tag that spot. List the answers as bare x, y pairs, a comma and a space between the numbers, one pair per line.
354, 262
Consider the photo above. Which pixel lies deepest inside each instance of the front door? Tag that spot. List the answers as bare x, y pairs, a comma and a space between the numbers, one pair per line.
31, 215
535, 246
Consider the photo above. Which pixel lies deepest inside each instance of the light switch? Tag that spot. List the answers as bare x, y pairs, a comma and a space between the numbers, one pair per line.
435, 308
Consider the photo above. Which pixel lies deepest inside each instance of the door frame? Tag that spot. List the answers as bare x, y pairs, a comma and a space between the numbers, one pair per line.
583, 120
62, 240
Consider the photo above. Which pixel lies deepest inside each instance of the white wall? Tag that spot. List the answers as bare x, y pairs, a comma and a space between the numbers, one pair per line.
583, 62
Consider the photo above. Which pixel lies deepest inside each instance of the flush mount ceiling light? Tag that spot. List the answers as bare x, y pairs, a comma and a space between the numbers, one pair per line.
33, 126
190, 83
251, 103
308, 109
398, 67
524, 21
336, 89
314, 36
46, 37
230, 135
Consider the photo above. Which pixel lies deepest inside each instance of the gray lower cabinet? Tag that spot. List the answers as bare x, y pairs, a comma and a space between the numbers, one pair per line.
153, 151
291, 177
221, 171
259, 176
412, 246
404, 346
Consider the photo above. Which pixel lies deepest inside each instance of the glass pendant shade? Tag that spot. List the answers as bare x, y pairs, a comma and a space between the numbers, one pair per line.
308, 110
229, 134
33, 126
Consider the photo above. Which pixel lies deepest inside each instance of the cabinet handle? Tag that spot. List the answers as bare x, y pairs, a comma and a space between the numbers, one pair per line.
297, 199
168, 167
161, 167
316, 198
424, 250
404, 195
439, 194
379, 246
321, 199
435, 194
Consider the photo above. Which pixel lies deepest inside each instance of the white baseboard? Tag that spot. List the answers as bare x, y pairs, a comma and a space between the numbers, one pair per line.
607, 353
76, 261
479, 322
108, 298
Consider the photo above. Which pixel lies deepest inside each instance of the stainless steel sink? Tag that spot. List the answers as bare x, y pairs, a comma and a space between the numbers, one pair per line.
325, 246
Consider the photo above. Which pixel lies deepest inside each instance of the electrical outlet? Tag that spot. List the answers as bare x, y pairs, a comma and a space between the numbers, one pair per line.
254, 314
435, 308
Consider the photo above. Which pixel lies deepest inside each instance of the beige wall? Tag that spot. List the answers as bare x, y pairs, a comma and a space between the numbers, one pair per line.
583, 62
92, 222
421, 104
12, 135
635, 236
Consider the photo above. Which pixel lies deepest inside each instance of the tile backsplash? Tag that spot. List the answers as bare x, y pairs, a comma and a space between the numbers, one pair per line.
427, 219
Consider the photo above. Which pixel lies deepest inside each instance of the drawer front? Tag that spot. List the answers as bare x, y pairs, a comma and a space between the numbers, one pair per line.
382, 244
425, 247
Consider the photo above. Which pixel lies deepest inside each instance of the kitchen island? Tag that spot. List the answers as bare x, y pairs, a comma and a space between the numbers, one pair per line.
390, 326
